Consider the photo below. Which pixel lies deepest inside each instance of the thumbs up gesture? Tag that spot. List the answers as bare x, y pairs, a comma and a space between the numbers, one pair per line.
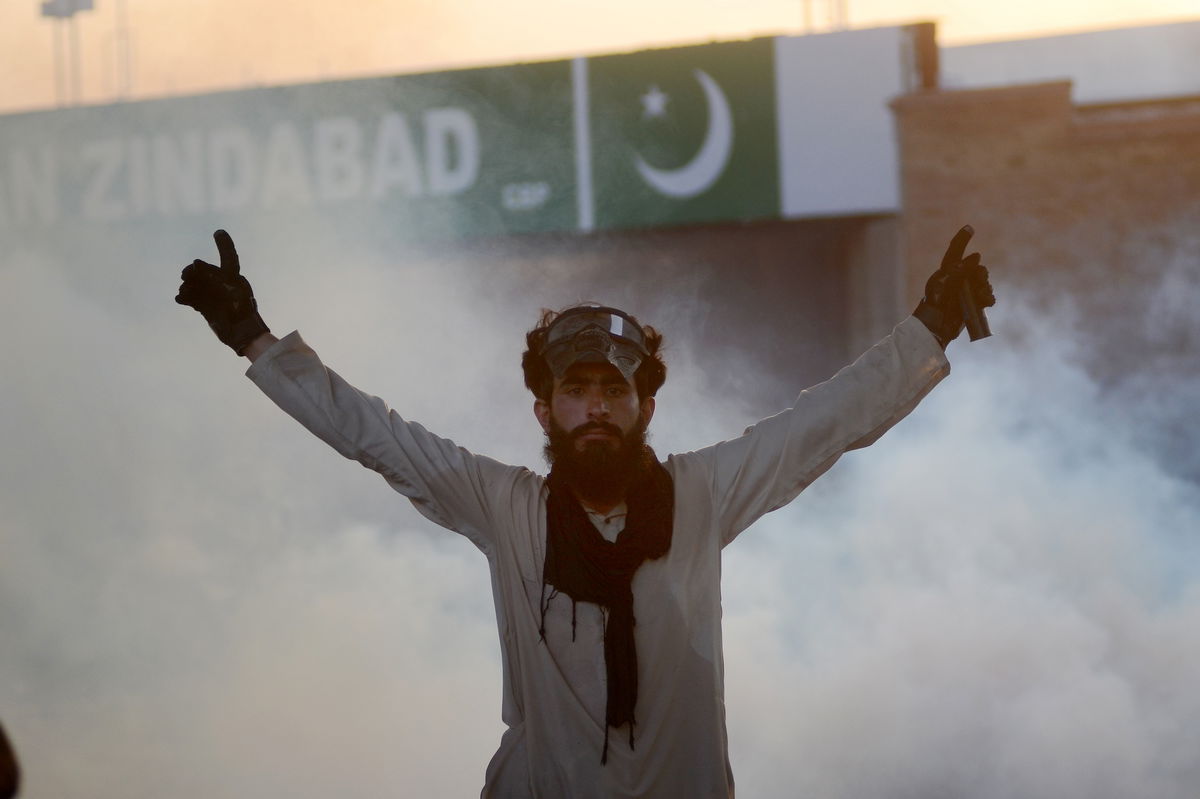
223, 297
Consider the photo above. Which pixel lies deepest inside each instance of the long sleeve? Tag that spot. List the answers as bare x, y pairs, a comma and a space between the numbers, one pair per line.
446, 483
777, 458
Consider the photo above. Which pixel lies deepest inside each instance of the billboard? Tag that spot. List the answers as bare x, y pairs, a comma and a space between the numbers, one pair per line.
774, 127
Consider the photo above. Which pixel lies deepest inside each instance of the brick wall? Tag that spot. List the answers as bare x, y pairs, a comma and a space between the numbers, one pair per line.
1076, 198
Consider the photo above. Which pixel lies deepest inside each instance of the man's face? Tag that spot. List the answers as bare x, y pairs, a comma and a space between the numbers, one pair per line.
595, 405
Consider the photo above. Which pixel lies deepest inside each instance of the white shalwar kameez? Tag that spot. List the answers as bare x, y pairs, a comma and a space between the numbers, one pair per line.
554, 690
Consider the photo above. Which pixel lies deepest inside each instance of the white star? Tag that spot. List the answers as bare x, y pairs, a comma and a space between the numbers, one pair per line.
654, 102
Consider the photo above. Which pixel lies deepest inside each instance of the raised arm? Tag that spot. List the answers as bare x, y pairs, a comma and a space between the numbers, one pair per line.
448, 484
773, 461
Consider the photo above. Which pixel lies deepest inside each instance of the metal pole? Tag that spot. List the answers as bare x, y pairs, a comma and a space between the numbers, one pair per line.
76, 73
124, 78
60, 71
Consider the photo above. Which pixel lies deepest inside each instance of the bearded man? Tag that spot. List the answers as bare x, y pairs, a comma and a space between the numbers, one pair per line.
606, 572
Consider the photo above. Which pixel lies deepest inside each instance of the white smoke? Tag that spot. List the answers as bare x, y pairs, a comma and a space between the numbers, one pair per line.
998, 599
197, 599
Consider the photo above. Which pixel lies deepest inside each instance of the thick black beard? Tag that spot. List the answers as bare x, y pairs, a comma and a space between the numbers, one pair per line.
599, 472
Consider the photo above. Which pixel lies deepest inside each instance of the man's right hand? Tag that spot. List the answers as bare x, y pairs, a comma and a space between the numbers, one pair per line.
223, 297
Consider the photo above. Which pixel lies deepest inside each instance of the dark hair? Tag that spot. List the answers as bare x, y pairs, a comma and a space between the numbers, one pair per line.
648, 378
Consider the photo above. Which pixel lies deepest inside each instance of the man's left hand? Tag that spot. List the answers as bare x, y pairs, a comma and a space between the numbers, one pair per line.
942, 309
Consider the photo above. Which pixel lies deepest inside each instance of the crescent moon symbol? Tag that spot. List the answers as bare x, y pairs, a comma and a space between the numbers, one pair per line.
703, 170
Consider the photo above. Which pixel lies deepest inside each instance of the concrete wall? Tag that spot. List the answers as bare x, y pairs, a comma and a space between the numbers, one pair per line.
1122, 64
796, 300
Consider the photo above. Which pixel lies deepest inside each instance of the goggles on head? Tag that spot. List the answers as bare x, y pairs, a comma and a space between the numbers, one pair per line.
594, 334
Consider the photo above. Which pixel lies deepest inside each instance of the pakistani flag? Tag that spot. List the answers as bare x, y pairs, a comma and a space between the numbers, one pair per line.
685, 135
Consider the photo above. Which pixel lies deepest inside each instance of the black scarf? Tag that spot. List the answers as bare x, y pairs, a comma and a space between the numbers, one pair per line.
582, 564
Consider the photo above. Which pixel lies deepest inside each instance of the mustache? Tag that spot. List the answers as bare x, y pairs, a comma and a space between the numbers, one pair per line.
593, 427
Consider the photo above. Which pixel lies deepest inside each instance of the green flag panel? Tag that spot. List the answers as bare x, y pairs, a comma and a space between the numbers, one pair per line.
684, 135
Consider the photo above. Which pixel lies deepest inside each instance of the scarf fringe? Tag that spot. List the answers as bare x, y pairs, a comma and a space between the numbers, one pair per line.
544, 602
604, 752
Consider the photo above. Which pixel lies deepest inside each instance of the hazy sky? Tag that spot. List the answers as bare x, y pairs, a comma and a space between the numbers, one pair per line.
197, 45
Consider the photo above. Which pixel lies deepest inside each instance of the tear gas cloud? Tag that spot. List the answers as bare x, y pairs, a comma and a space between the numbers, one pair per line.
198, 599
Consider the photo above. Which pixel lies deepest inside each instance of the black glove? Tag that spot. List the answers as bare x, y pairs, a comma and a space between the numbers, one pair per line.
959, 285
223, 297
